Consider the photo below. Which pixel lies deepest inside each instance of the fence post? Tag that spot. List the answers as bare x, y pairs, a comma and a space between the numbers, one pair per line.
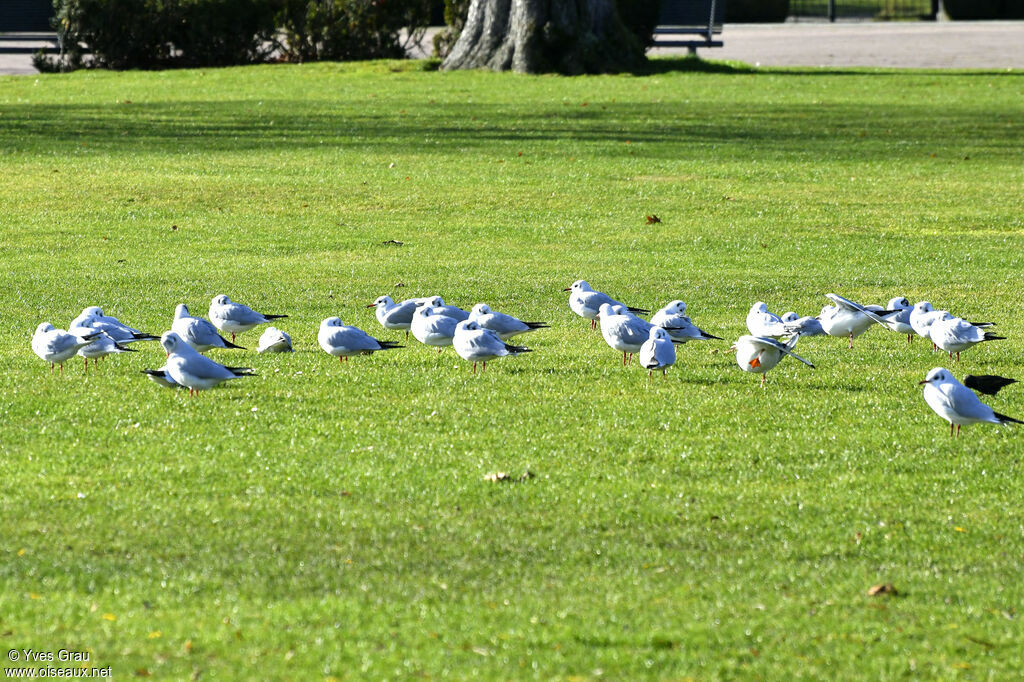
831, 10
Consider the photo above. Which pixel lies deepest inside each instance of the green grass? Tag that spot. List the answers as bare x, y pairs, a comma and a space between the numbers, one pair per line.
332, 521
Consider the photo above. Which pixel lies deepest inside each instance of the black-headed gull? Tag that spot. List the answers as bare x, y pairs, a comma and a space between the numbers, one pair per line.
760, 322
393, 315
758, 354
587, 303
195, 371
957, 334
273, 340
93, 318
476, 344
101, 346
955, 403
433, 329
505, 326
197, 332
899, 319
441, 308
679, 327
849, 319
228, 316
344, 341
802, 326
989, 384
657, 352
56, 345
623, 331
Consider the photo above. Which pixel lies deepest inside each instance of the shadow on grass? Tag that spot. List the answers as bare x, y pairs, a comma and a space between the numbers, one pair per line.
658, 66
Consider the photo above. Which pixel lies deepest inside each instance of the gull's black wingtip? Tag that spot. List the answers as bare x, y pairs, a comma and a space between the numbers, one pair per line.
637, 310
228, 344
275, 317
537, 325
125, 348
1003, 419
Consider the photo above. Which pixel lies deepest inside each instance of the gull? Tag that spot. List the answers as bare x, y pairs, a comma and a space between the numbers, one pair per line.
162, 377
587, 303
760, 322
505, 326
197, 372
56, 345
899, 319
473, 342
989, 384
197, 332
758, 354
657, 352
680, 328
393, 315
93, 318
802, 326
847, 318
101, 346
623, 330
438, 304
923, 316
236, 318
344, 341
955, 403
273, 340
433, 328
957, 334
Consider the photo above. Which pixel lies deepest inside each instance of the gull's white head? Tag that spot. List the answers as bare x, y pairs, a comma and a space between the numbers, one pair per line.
172, 343
922, 307
220, 299
937, 376
605, 310
619, 309
898, 303
381, 301
481, 309
675, 308
331, 322
44, 327
424, 311
435, 301
759, 307
579, 285
467, 326
92, 311
658, 334
790, 317
180, 311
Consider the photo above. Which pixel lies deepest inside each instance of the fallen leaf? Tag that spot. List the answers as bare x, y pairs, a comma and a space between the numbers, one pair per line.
174, 227
393, 241
399, 285
109, 616
156, 634
653, 219
882, 588
142, 672
505, 477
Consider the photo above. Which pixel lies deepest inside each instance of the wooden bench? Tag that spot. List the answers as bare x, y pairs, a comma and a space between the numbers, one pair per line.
700, 18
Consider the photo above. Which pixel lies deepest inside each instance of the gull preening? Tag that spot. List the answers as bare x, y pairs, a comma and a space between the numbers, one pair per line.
94, 319
195, 371
505, 326
393, 315
476, 344
228, 316
587, 303
197, 332
899, 319
657, 352
760, 322
955, 403
57, 345
345, 341
802, 326
680, 328
433, 329
849, 319
273, 340
758, 354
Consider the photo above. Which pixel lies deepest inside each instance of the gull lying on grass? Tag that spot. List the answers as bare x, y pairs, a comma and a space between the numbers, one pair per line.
431, 328
760, 322
476, 344
587, 303
440, 308
758, 354
197, 332
56, 345
505, 326
236, 318
344, 341
393, 315
957, 334
197, 372
93, 318
955, 403
657, 352
679, 327
273, 340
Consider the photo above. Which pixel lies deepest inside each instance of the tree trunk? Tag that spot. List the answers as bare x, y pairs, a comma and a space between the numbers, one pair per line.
536, 36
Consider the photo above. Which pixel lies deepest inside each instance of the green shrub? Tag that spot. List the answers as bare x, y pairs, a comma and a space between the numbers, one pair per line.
984, 9
756, 11
350, 29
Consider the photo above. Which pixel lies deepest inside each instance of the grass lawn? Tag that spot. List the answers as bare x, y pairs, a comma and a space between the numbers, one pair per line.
322, 520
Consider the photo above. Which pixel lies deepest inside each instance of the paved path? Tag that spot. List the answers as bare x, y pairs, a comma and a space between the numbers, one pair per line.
919, 44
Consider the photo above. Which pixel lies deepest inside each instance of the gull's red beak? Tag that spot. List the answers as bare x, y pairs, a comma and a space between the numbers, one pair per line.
567, 289
372, 305
925, 381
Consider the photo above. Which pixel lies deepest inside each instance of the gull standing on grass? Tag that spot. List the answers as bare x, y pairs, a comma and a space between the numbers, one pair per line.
957, 334
758, 354
393, 315
56, 345
197, 332
680, 328
657, 352
849, 319
273, 340
760, 322
476, 344
101, 346
899, 319
955, 403
236, 318
624, 331
344, 341
197, 372
505, 326
433, 329
93, 318
587, 303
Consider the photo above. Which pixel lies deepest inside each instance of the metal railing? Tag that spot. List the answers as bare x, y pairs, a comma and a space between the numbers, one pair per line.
864, 9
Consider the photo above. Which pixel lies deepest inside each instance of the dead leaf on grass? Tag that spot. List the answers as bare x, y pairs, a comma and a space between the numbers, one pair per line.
882, 588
